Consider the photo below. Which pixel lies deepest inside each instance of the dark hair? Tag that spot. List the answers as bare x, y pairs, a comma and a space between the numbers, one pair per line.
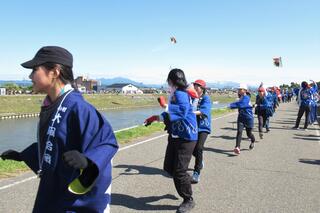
204, 91
66, 73
178, 79
304, 84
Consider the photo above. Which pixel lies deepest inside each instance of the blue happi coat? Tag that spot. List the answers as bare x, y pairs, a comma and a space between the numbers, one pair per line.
244, 107
305, 97
204, 120
77, 126
183, 122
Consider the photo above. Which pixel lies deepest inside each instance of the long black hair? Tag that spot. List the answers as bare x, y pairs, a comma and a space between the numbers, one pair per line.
66, 73
177, 78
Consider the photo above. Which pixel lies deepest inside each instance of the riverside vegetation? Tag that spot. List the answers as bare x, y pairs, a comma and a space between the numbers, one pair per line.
28, 104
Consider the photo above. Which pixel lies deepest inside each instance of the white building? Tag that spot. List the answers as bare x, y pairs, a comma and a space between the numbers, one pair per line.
124, 89
2, 91
130, 89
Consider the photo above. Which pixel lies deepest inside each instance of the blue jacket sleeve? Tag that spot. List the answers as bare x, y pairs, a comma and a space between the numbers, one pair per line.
242, 103
205, 106
98, 142
314, 88
30, 157
179, 109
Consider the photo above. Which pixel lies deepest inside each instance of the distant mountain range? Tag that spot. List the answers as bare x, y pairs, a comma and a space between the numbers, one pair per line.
223, 84
109, 81
18, 82
217, 84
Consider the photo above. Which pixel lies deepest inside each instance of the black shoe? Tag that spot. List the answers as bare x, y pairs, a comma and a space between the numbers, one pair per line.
268, 130
251, 146
186, 206
261, 135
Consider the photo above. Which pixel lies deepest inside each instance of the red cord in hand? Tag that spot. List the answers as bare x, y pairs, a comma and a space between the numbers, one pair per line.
151, 119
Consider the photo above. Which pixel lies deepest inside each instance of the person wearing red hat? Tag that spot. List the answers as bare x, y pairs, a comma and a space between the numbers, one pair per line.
203, 112
262, 105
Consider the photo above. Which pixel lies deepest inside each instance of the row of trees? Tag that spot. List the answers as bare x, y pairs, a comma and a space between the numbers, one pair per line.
293, 85
12, 88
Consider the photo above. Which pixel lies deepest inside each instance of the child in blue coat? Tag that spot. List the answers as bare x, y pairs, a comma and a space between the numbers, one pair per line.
181, 125
75, 145
304, 100
203, 112
245, 117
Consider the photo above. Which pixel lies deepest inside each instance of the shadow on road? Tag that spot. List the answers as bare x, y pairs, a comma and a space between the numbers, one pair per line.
310, 161
308, 139
138, 170
226, 137
142, 203
300, 135
286, 128
229, 153
284, 122
229, 128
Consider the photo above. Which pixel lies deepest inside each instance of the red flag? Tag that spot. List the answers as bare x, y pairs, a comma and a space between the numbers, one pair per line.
277, 62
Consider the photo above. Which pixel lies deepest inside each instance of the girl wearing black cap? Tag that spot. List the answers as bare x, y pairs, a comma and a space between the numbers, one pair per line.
75, 142
183, 134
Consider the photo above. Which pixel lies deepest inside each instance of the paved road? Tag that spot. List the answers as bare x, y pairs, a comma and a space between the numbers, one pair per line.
282, 174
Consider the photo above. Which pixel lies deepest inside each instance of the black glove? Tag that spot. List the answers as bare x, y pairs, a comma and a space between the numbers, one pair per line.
75, 159
11, 155
166, 121
89, 175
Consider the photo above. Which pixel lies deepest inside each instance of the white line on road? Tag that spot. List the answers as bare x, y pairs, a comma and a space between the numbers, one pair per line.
131, 127
18, 182
121, 149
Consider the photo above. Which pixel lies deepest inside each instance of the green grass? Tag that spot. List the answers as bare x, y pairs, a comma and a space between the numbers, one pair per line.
128, 135
10, 168
19, 104
219, 112
223, 98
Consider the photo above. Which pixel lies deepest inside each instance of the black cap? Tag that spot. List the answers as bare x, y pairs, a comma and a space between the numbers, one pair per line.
51, 54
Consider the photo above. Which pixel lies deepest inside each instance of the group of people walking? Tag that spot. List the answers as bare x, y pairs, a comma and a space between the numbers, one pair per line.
76, 144
264, 107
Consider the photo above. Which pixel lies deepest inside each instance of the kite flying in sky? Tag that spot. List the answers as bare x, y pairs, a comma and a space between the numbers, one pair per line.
173, 40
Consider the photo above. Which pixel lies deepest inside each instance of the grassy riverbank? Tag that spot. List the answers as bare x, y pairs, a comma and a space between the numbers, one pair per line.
10, 168
31, 103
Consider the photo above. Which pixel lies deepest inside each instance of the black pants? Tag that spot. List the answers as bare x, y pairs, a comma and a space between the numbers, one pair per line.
302, 110
176, 162
240, 127
262, 119
198, 151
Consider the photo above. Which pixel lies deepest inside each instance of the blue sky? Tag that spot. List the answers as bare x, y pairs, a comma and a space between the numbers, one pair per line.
216, 40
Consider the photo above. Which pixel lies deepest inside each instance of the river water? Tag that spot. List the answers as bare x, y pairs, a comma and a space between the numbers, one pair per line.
19, 133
